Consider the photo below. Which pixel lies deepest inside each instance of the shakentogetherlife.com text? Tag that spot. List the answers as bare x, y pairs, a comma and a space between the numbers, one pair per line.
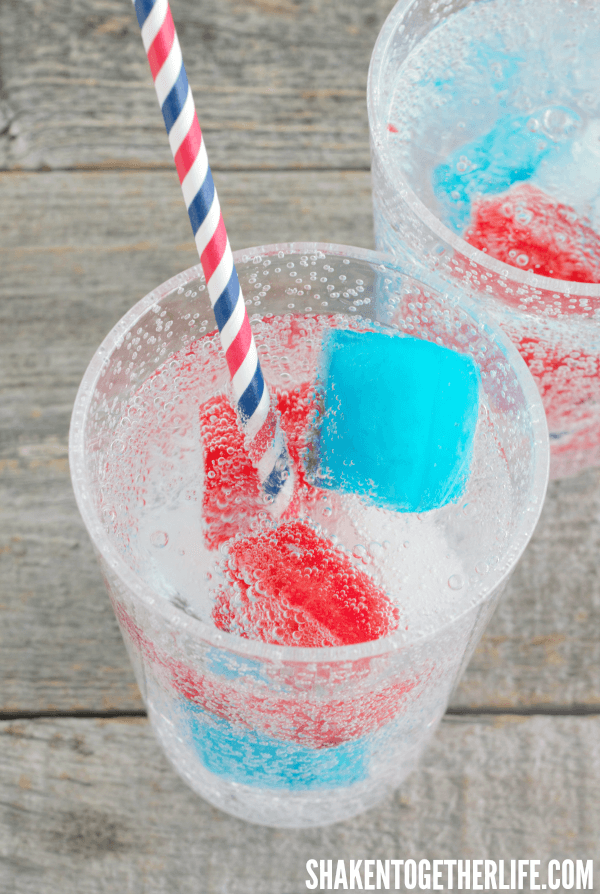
450, 875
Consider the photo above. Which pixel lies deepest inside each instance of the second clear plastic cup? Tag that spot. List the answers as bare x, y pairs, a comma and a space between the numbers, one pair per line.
484, 115
289, 735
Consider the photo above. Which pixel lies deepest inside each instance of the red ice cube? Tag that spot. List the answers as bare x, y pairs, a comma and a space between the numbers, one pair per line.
231, 487
526, 228
291, 587
324, 717
232, 492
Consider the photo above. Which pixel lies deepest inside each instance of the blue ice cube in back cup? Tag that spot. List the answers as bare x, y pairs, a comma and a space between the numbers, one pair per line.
490, 164
398, 419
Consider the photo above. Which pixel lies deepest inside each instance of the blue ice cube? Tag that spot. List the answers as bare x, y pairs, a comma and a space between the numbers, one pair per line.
254, 758
510, 152
398, 420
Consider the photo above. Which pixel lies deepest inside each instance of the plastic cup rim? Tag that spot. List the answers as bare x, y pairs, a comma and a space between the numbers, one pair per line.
398, 184
202, 631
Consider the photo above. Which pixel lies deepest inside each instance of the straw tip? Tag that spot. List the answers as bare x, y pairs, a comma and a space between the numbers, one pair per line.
278, 504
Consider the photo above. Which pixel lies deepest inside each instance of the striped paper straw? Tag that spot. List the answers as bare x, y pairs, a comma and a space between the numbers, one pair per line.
267, 445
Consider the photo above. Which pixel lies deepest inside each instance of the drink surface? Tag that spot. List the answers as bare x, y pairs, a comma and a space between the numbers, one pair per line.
495, 122
183, 502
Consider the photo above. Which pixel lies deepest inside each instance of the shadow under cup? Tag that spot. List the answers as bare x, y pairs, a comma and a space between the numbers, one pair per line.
283, 735
421, 122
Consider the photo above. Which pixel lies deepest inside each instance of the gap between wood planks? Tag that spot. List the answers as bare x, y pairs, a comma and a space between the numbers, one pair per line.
530, 711
128, 167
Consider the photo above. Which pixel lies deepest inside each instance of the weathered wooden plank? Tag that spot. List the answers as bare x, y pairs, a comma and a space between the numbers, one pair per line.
69, 271
276, 82
70, 237
90, 807
542, 645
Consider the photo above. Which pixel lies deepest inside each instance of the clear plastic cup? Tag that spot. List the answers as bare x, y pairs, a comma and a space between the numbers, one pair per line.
442, 74
276, 734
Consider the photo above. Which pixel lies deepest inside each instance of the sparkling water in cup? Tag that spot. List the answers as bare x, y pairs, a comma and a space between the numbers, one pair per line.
295, 667
485, 135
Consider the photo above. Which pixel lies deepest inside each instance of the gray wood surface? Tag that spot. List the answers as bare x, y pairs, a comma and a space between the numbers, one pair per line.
90, 806
277, 83
90, 220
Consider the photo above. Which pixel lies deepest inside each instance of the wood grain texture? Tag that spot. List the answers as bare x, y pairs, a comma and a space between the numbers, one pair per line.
542, 646
276, 83
89, 807
96, 243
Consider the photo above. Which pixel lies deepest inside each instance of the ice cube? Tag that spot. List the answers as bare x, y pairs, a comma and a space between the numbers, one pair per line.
510, 152
398, 419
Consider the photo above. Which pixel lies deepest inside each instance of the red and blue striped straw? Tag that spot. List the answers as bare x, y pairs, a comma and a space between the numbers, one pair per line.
267, 445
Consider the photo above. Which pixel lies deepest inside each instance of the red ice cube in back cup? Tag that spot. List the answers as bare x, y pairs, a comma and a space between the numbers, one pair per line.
289, 586
526, 228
